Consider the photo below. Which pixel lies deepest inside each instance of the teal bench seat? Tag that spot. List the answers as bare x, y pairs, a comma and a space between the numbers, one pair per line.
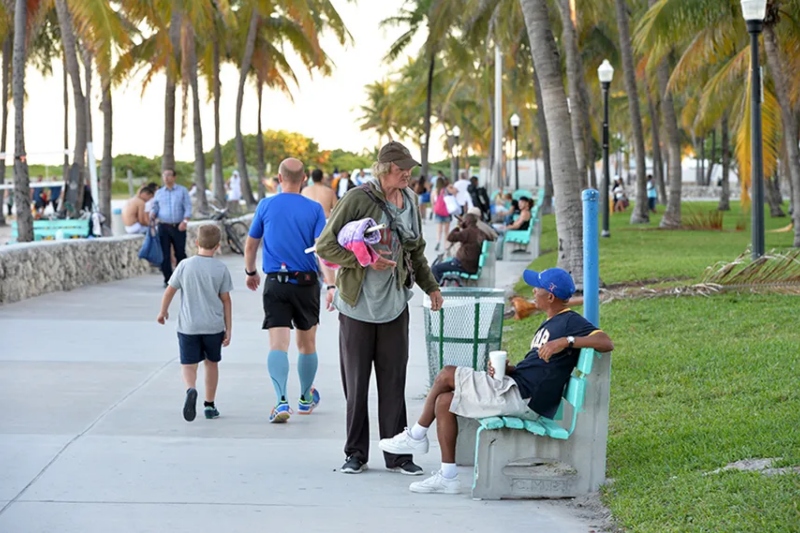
49, 229
456, 276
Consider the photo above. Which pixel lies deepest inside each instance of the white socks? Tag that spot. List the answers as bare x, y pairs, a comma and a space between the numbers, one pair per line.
449, 470
418, 432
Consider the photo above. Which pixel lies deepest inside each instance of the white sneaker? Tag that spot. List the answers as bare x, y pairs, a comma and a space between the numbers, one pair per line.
402, 444
437, 484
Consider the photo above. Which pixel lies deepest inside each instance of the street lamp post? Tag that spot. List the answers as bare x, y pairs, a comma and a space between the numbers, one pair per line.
515, 124
422, 145
456, 135
606, 73
753, 12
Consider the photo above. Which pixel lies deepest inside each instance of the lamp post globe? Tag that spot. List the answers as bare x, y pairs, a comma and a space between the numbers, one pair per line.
605, 72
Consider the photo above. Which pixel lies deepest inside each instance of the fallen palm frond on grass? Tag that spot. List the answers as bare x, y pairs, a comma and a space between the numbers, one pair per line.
773, 272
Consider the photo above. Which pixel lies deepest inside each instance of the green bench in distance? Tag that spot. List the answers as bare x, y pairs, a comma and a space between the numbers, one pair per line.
50, 229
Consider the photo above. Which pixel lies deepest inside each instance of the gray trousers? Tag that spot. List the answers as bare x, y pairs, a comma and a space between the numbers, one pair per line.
362, 344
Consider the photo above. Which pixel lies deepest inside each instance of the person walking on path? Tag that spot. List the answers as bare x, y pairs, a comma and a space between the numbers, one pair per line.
652, 194
528, 390
204, 322
172, 209
288, 223
373, 303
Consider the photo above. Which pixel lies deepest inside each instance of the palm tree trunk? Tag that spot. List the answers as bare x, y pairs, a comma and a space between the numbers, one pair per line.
261, 164
87, 72
81, 129
427, 118
197, 127
219, 178
672, 215
107, 163
247, 58
788, 121
566, 182
22, 190
655, 126
725, 190
713, 157
65, 170
639, 215
541, 125
8, 50
579, 110
773, 196
168, 157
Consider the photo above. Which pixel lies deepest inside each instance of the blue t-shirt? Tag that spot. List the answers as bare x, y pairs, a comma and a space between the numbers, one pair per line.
288, 223
543, 382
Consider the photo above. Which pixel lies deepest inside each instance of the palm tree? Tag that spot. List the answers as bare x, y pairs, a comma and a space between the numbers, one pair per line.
199, 157
566, 186
22, 191
377, 113
640, 214
244, 68
8, 50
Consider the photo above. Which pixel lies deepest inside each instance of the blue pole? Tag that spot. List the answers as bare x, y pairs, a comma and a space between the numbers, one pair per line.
591, 257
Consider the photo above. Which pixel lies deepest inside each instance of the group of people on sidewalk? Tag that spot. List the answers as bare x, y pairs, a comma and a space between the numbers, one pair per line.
372, 300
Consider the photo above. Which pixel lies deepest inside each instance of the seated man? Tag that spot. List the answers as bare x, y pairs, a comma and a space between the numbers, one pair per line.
134, 214
534, 387
470, 239
488, 232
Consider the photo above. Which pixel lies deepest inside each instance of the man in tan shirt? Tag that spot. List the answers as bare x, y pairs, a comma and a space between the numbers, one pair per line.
320, 193
134, 215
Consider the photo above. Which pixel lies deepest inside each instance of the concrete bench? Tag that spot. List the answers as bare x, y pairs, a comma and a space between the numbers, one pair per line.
454, 279
57, 228
515, 458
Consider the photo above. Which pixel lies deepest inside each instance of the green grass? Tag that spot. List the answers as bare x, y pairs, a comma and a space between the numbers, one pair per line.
697, 383
644, 252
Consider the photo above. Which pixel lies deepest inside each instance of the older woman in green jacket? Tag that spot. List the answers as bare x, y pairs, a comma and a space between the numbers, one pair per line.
373, 302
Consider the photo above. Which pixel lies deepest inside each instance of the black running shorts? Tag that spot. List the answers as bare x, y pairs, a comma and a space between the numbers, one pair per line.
287, 305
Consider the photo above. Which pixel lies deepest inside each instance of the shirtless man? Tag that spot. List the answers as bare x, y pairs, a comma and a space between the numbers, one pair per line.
320, 193
134, 215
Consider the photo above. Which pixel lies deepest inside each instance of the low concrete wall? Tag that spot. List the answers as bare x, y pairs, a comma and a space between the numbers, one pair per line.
36, 268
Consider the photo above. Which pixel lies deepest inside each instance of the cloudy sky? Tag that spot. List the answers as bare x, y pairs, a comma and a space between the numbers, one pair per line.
325, 109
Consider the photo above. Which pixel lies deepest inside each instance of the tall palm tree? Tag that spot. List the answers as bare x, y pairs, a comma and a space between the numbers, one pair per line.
377, 113
244, 68
640, 213
197, 129
566, 186
22, 191
8, 50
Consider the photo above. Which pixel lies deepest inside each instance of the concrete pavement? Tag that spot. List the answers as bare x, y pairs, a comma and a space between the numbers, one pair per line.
92, 438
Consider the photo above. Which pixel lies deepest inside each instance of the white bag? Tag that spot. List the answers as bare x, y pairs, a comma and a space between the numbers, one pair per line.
451, 204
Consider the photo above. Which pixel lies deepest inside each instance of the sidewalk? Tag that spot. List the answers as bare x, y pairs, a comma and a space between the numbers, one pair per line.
93, 439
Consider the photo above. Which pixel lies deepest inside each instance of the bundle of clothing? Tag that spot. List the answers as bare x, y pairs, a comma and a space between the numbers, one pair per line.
354, 236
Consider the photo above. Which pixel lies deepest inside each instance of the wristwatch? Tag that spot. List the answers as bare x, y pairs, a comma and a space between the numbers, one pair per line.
571, 341
329, 287
253, 273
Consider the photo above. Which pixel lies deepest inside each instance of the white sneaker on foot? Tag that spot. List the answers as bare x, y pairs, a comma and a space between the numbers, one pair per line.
402, 444
437, 484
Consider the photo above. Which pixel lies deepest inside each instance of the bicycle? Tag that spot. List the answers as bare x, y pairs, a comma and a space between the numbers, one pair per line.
235, 230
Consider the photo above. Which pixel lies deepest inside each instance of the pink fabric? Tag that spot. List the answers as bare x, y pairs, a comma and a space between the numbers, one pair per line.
353, 237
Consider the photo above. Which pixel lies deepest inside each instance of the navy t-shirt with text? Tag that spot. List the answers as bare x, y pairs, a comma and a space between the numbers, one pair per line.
543, 382
288, 223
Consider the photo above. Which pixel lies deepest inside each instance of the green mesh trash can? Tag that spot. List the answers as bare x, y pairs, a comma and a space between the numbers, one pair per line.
465, 330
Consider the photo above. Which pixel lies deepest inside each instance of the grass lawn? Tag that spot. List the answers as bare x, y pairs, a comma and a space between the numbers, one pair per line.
698, 382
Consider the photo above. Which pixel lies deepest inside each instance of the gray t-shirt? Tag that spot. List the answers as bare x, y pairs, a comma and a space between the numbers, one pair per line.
380, 300
201, 280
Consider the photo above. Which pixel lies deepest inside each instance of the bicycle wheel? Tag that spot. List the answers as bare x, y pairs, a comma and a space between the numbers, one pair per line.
237, 234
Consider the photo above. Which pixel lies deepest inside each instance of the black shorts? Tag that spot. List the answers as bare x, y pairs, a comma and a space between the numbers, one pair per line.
287, 305
195, 348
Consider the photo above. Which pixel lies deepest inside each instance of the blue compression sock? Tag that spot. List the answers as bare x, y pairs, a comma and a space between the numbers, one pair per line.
307, 370
278, 366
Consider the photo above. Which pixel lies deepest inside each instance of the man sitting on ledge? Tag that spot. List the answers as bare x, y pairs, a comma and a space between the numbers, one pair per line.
534, 387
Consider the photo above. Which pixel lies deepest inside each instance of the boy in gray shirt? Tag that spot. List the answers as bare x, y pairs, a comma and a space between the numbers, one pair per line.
204, 322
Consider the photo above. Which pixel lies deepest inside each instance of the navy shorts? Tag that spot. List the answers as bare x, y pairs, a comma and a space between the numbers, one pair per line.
195, 348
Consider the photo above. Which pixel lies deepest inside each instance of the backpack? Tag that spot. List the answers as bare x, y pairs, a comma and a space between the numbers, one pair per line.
440, 208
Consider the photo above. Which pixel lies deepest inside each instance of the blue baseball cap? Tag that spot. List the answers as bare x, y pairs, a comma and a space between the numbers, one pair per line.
554, 280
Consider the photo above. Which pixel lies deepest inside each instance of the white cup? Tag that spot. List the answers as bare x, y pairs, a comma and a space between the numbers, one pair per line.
498, 360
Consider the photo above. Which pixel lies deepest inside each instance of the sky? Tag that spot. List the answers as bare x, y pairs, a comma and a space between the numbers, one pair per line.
325, 109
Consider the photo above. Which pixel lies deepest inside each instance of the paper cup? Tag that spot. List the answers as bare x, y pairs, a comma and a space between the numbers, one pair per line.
498, 360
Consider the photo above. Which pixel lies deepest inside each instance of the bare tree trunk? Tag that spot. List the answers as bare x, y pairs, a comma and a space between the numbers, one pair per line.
655, 126
788, 120
86, 55
541, 125
261, 164
8, 50
65, 170
197, 127
712, 159
579, 110
672, 215
168, 157
773, 196
640, 214
725, 190
73, 67
426, 124
107, 163
22, 190
566, 182
219, 178
250, 43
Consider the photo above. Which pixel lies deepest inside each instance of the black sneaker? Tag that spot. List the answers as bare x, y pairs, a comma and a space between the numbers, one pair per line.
408, 468
190, 405
353, 465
